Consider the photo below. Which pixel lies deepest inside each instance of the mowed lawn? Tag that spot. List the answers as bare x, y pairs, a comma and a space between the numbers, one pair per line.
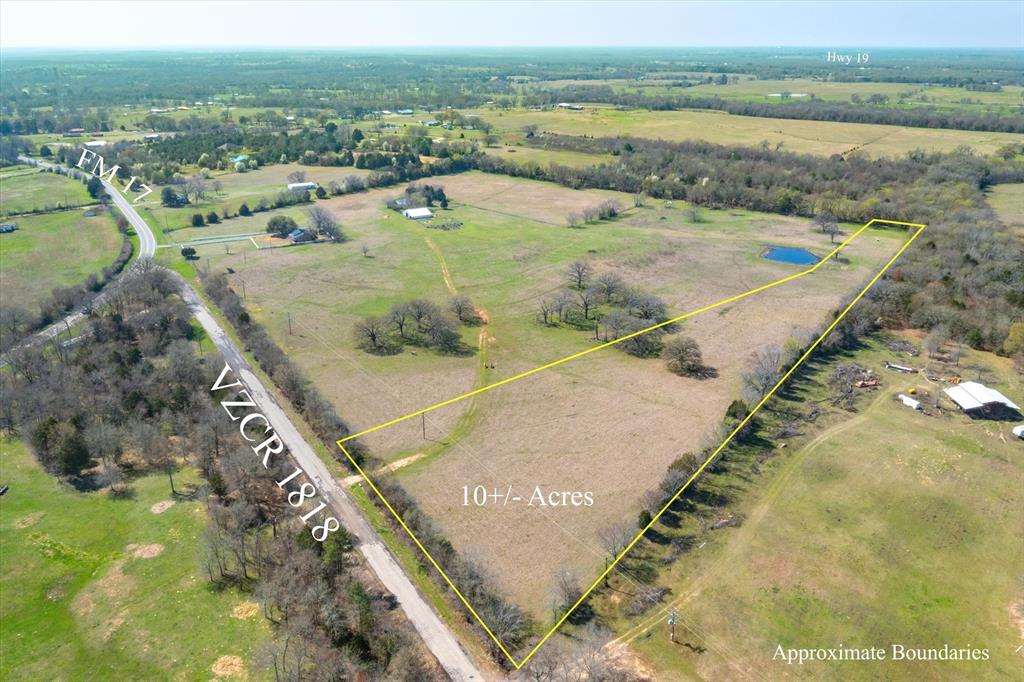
886, 527
810, 137
26, 189
53, 250
101, 588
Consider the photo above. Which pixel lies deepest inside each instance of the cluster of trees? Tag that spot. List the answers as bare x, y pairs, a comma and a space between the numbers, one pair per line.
811, 109
92, 409
419, 323
606, 210
418, 195
317, 411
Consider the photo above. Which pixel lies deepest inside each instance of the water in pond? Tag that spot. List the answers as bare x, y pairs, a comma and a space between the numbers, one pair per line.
788, 254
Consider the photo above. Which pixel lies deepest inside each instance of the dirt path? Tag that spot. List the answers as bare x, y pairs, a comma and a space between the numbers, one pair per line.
447, 276
349, 481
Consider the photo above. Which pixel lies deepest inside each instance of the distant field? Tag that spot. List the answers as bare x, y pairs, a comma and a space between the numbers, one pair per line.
511, 251
811, 137
51, 250
26, 189
887, 526
1008, 203
747, 88
102, 588
546, 157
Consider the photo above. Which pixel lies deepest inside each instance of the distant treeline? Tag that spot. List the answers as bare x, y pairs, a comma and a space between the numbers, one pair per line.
811, 109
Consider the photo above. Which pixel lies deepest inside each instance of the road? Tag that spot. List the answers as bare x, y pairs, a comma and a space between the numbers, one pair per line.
438, 638
436, 635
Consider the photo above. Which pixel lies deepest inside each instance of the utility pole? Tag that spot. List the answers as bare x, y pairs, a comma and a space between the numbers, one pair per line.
423, 423
243, 287
289, 324
673, 616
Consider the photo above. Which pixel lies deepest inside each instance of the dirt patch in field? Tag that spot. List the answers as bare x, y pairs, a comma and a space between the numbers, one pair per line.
145, 551
245, 610
228, 666
113, 624
161, 507
30, 520
1017, 613
115, 583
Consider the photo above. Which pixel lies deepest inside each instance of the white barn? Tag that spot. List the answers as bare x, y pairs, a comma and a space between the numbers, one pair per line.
418, 213
978, 400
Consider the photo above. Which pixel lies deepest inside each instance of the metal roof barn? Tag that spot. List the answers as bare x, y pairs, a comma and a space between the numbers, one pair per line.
970, 395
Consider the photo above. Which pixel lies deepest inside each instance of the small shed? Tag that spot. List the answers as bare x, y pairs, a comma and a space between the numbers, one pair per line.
978, 400
418, 213
299, 186
1019, 431
909, 402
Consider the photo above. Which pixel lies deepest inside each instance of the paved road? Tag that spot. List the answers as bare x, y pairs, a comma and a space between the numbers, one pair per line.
436, 635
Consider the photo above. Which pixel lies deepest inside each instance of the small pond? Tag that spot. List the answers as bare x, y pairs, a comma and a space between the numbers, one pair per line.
789, 254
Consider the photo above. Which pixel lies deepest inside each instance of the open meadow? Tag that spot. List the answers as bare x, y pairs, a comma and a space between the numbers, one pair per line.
883, 527
98, 587
53, 250
809, 137
24, 189
510, 253
1008, 203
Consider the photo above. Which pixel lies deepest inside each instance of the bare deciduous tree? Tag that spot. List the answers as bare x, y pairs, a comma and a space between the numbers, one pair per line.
579, 274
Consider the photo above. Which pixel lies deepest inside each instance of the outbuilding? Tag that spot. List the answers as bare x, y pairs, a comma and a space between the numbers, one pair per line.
1019, 431
299, 186
418, 213
978, 400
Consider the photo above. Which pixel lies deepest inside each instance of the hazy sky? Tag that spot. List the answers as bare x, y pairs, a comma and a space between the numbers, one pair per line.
257, 24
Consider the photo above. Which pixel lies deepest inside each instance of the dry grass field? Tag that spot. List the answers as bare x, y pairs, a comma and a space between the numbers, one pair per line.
1008, 203
811, 137
609, 423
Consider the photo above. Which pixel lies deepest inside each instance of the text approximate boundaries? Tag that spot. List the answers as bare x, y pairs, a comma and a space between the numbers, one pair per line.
519, 664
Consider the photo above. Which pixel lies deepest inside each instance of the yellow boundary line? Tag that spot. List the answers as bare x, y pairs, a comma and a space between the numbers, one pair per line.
519, 664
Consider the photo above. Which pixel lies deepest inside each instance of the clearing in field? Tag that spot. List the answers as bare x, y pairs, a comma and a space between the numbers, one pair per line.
540, 493
53, 250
